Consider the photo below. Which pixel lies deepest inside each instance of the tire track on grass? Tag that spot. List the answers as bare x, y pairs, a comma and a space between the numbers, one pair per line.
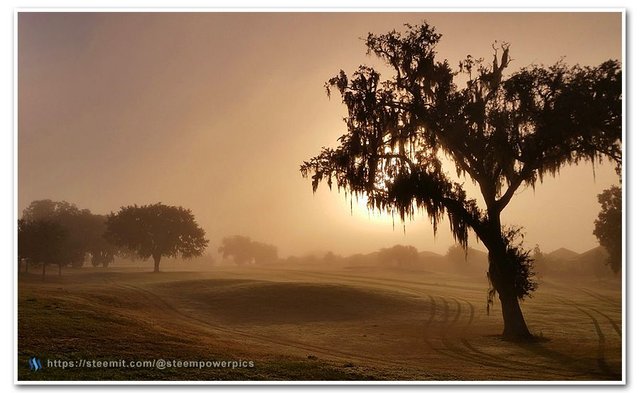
613, 323
601, 361
456, 317
432, 312
456, 352
471, 312
471, 353
460, 355
466, 354
601, 297
481, 357
451, 351
444, 322
445, 317
564, 372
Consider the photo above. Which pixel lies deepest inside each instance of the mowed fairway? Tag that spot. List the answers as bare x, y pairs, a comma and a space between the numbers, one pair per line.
364, 324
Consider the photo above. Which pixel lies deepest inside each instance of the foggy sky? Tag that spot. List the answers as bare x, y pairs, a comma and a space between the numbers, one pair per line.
216, 111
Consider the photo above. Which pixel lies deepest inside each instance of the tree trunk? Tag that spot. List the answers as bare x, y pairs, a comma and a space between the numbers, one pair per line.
514, 325
59, 269
502, 280
26, 266
156, 263
44, 270
502, 273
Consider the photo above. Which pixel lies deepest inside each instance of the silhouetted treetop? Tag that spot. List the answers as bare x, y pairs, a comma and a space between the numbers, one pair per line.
501, 132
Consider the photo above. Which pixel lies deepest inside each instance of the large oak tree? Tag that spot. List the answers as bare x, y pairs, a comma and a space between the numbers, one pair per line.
156, 231
502, 132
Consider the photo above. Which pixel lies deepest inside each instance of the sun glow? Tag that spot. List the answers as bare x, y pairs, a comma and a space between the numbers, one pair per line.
357, 205
359, 209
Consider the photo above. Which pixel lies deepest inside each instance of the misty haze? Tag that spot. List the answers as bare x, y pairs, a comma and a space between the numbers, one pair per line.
320, 196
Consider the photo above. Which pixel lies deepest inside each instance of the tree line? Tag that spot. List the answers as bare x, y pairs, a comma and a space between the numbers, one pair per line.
61, 234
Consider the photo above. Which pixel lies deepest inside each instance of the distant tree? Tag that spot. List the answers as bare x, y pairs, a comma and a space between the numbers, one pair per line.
264, 253
24, 244
330, 257
156, 231
208, 259
608, 226
538, 255
46, 209
76, 223
540, 260
243, 250
467, 261
456, 254
360, 259
501, 132
238, 248
84, 231
41, 242
101, 251
398, 256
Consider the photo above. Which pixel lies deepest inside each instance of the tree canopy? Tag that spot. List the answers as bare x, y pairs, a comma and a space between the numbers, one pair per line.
500, 131
41, 241
156, 231
83, 232
101, 250
398, 256
73, 220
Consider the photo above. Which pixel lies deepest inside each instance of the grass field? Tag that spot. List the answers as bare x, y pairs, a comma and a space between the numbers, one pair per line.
365, 324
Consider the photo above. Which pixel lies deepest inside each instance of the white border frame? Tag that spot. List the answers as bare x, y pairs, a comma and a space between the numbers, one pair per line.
333, 9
